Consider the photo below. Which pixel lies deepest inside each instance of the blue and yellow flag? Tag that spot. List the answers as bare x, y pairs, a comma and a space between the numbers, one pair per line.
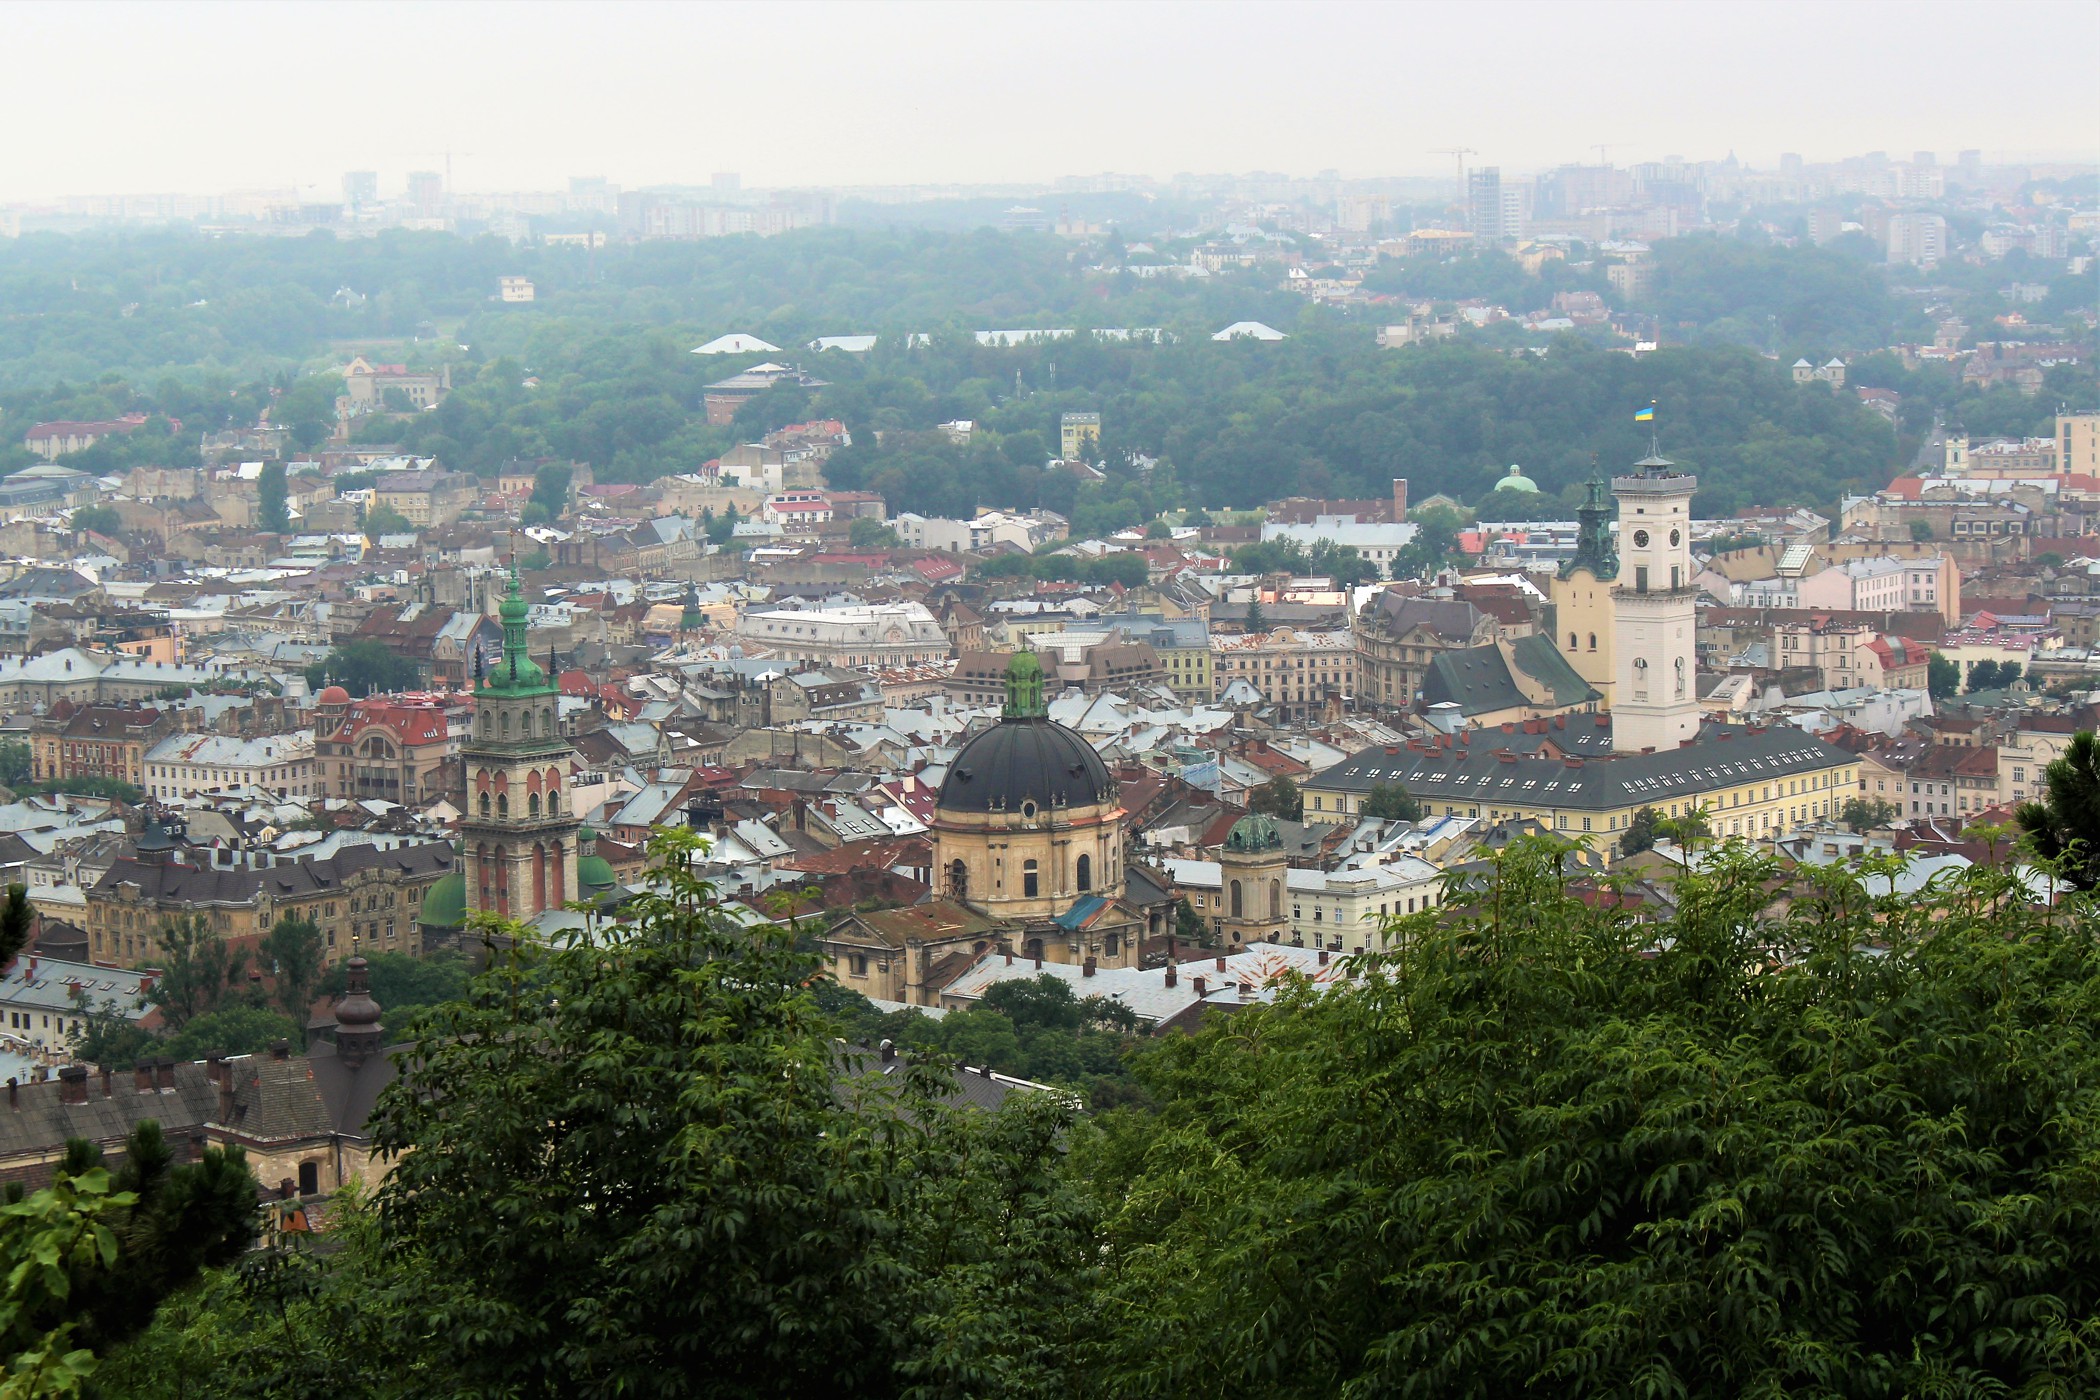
1645, 415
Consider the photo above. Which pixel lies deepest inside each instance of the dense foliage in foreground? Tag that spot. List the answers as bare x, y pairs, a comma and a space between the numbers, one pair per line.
1794, 1140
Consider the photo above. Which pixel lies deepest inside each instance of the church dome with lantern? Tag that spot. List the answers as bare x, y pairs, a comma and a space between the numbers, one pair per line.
1027, 819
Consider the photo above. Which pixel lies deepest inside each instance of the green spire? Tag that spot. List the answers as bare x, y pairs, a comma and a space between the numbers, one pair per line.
1024, 687
1593, 543
517, 672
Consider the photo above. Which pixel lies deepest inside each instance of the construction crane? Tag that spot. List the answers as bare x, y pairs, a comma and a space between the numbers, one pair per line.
1460, 152
1603, 153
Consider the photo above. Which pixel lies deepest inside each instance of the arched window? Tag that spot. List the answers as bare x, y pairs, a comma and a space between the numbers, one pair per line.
959, 880
1275, 899
1237, 911
1593, 641
1086, 873
484, 804
547, 718
532, 805
506, 724
502, 804
1571, 641
1030, 881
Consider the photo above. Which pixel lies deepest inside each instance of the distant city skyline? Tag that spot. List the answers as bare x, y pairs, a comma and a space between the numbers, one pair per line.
205, 98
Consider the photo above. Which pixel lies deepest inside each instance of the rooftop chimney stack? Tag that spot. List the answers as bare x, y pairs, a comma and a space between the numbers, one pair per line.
72, 1084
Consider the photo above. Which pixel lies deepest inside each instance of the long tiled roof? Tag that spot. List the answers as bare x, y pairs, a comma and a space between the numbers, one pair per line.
1538, 772
285, 879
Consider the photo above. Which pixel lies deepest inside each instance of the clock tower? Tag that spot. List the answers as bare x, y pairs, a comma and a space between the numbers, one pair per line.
1655, 696
519, 829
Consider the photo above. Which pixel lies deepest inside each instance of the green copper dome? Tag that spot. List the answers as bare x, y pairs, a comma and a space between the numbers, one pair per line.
1254, 832
446, 904
594, 875
1515, 480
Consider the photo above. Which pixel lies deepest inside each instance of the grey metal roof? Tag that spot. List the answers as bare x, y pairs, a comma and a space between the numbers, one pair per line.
1476, 773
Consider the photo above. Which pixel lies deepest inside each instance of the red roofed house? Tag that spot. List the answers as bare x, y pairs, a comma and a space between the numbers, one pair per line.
54, 440
391, 748
935, 569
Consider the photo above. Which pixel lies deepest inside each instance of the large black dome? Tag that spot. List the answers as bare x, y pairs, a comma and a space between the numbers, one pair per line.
1018, 761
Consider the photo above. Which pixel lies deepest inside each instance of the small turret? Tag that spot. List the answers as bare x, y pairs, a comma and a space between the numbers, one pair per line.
358, 1033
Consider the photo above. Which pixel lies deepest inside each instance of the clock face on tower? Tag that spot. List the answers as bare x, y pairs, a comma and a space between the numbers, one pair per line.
1640, 539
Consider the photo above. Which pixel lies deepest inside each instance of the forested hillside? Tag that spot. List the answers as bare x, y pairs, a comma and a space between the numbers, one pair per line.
214, 331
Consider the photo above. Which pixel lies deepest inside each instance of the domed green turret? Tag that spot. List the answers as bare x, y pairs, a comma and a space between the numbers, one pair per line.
1024, 687
517, 673
594, 873
1254, 832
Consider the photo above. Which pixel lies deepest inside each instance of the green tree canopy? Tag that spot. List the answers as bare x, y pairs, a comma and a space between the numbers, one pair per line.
273, 509
753, 1229
103, 520
2064, 824
364, 667
1391, 802
1278, 797
1543, 1148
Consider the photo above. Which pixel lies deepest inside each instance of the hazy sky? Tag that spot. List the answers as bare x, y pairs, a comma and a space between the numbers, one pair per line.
197, 97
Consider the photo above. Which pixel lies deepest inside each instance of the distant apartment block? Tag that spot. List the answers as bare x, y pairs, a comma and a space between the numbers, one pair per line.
1078, 435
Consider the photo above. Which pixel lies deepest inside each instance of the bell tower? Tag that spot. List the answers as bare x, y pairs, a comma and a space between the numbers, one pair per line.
519, 829
1655, 696
1582, 594
1253, 871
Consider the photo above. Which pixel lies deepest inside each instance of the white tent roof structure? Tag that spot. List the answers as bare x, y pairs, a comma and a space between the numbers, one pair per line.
736, 343
1249, 330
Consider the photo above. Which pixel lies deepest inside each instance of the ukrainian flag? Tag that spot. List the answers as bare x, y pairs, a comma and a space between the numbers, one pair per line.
1645, 415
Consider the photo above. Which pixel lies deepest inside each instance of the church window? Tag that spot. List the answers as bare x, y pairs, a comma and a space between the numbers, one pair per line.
1593, 641
532, 805
1640, 579
1086, 873
1030, 880
1275, 899
506, 725
1236, 899
959, 880
484, 804
1571, 641
502, 804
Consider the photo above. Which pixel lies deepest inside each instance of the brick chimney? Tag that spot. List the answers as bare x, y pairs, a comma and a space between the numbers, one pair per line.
1197, 983
72, 1084
14, 1094
1087, 969
225, 1118
142, 1076
280, 1049
1172, 977
164, 1075
108, 1092
1399, 500
215, 1066
1221, 962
